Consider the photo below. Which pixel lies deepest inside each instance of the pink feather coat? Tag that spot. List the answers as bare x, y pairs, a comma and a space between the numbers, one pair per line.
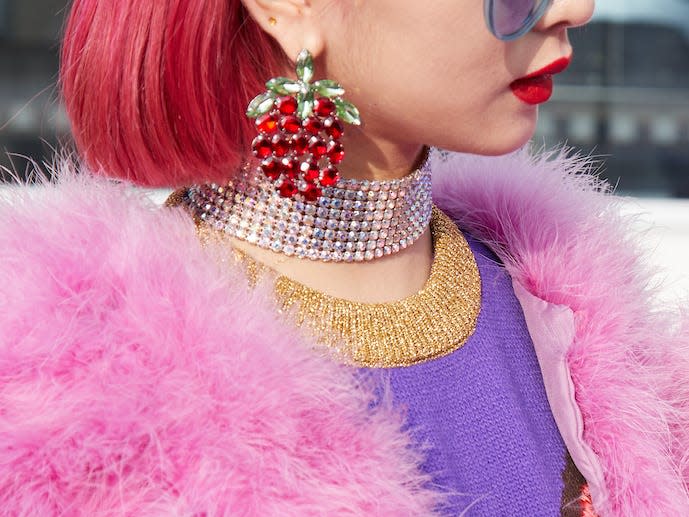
140, 376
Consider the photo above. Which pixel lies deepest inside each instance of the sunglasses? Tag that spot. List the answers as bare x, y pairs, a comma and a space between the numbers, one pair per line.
510, 19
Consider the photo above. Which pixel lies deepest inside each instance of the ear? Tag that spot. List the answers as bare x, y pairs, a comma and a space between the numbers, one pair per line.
291, 23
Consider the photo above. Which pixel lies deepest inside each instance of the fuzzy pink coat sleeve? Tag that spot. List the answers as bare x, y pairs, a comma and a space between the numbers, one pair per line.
139, 376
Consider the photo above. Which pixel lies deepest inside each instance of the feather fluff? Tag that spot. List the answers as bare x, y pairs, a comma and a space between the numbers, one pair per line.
139, 376
562, 236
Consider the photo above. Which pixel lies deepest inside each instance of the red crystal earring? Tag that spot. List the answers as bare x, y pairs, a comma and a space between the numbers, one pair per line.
300, 130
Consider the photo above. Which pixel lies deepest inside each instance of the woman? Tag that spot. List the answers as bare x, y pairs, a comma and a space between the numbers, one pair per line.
497, 355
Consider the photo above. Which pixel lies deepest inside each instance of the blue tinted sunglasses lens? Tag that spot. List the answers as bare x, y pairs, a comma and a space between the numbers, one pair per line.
509, 19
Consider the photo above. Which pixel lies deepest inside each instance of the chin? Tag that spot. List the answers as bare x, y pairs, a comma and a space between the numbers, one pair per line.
501, 137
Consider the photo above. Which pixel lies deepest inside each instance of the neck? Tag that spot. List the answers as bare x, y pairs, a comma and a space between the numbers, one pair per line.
394, 276
378, 159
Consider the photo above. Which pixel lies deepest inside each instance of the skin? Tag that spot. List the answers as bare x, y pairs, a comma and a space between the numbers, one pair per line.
421, 73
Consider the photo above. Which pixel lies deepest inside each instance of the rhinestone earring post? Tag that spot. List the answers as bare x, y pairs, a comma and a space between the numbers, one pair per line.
300, 126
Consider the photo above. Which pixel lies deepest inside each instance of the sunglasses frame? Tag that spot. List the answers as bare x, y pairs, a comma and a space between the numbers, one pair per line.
528, 24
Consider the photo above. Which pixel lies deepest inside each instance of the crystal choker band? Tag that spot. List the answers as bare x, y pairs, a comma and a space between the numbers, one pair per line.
353, 221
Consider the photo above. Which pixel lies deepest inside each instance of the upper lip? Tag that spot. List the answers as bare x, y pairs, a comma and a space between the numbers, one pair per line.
557, 66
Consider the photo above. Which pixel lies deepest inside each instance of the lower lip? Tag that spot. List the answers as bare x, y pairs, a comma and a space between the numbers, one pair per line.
534, 90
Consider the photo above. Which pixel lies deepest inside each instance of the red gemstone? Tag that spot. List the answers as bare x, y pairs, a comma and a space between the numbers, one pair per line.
272, 168
291, 168
313, 125
336, 152
287, 189
310, 172
267, 124
290, 124
333, 127
317, 147
287, 105
300, 144
280, 145
330, 176
311, 193
324, 107
262, 147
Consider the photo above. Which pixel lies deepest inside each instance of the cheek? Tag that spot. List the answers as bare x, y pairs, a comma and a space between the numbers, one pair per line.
470, 107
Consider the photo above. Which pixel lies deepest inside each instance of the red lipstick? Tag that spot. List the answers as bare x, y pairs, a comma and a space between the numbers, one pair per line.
537, 87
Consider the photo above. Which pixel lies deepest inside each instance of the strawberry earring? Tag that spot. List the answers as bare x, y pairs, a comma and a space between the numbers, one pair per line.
300, 127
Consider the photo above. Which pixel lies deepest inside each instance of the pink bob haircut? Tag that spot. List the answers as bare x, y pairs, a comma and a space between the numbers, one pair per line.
156, 91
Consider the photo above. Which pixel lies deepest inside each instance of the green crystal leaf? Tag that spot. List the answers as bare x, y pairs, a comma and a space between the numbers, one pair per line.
305, 108
305, 66
261, 104
284, 86
347, 112
328, 88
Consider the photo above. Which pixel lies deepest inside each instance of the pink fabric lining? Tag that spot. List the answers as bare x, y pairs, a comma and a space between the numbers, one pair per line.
552, 331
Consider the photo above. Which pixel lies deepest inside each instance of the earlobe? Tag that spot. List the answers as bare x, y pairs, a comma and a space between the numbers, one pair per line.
290, 22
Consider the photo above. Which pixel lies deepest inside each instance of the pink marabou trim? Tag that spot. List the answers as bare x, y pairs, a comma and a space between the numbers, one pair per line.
552, 331
140, 376
563, 238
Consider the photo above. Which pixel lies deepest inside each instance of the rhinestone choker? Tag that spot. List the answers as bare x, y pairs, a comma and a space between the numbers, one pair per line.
353, 221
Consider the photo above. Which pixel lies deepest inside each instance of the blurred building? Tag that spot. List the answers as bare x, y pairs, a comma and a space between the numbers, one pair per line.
31, 120
626, 95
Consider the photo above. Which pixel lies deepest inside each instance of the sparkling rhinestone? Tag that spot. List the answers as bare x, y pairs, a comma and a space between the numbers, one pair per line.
290, 124
288, 250
333, 128
359, 256
308, 220
286, 105
324, 107
318, 233
332, 224
355, 226
395, 248
347, 215
338, 256
348, 256
350, 246
379, 253
339, 245
320, 222
343, 225
336, 214
360, 246
330, 234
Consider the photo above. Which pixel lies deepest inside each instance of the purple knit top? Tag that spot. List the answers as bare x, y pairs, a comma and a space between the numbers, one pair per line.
484, 412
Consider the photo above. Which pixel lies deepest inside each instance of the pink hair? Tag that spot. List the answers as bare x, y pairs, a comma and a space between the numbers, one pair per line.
156, 91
